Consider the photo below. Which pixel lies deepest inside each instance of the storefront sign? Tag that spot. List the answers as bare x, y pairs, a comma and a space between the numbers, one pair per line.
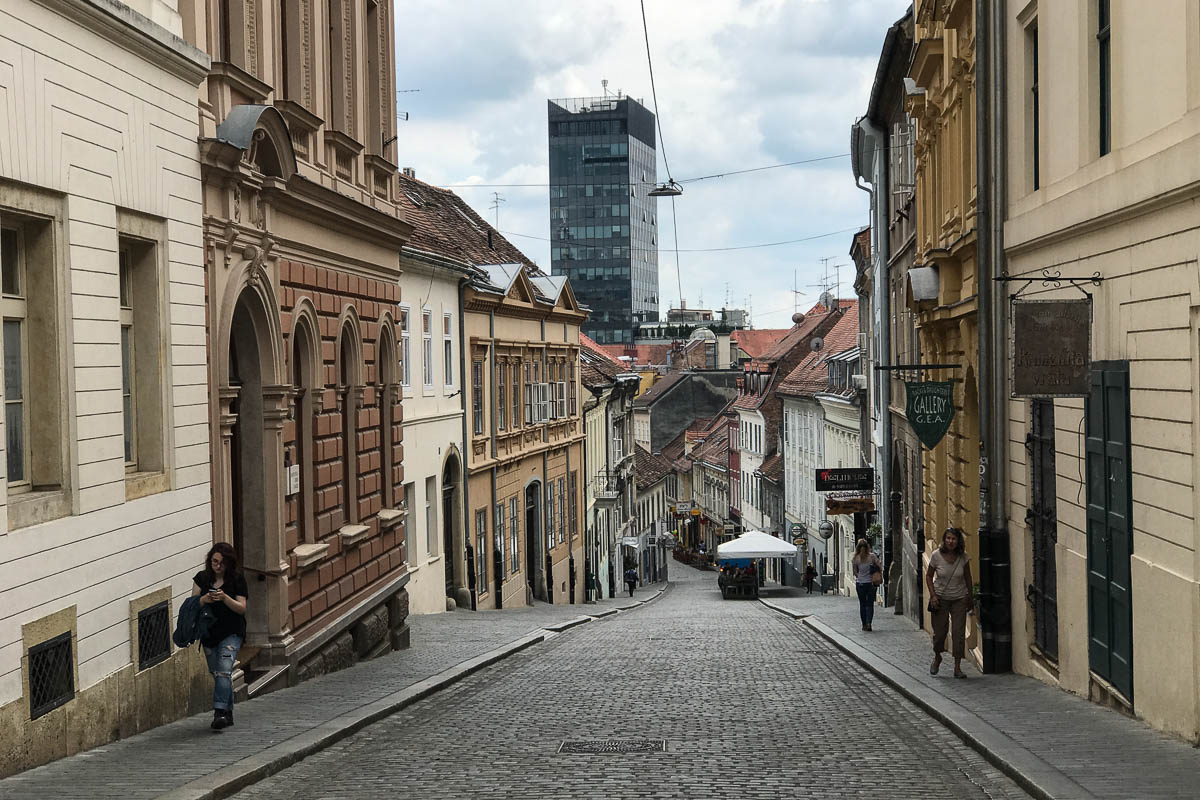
849, 505
846, 479
797, 529
825, 529
930, 409
1052, 347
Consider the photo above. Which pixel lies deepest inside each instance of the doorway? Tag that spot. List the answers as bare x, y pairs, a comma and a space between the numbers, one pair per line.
450, 552
1109, 526
247, 483
533, 532
1042, 519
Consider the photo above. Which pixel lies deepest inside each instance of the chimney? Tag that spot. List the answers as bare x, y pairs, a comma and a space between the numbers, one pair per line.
682, 305
409, 172
491, 244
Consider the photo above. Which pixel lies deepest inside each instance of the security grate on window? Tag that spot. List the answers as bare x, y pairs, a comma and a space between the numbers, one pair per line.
51, 675
154, 635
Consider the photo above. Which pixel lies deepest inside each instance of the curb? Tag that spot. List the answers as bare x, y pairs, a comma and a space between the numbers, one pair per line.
1036, 776
784, 611
225, 782
252, 769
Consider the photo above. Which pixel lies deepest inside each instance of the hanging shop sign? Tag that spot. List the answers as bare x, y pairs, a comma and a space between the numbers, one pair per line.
852, 479
825, 528
849, 505
1052, 347
930, 409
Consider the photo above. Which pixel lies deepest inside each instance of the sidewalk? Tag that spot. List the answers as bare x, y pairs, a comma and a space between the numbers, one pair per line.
184, 759
1055, 744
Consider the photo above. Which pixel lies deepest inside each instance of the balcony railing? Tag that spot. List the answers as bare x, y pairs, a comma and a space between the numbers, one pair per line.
608, 484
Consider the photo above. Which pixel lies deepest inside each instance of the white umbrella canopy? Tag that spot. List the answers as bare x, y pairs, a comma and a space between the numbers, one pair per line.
756, 544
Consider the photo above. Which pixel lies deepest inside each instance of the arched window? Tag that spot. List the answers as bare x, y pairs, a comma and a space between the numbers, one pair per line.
386, 395
306, 386
350, 389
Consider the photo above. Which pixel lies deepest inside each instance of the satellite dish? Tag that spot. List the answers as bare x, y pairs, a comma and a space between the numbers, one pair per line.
797, 318
828, 301
816, 344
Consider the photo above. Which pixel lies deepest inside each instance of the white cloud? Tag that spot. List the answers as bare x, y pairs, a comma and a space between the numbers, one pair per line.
740, 84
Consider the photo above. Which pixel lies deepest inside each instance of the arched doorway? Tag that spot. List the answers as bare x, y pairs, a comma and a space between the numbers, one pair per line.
533, 538
247, 441
452, 545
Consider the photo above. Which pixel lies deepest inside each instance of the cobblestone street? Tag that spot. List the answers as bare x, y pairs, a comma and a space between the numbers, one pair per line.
749, 703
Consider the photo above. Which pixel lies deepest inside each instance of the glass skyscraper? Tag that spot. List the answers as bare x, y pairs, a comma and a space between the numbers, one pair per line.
603, 227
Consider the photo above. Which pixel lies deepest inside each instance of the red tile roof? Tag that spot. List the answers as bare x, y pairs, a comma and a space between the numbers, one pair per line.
642, 354
755, 343
811, 375
648, 469
772, 468
714, 449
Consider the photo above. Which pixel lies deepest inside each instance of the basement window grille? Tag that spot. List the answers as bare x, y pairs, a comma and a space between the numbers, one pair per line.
51, 675
154, 635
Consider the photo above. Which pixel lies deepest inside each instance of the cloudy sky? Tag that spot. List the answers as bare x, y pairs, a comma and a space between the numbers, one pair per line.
741, 84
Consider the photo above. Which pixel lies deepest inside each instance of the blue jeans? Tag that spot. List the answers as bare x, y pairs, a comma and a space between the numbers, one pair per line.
220, 664
866, 601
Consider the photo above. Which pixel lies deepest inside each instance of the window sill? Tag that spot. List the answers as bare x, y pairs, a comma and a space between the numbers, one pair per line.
352, 534
309, 555
391, 516
33, 508
141, 484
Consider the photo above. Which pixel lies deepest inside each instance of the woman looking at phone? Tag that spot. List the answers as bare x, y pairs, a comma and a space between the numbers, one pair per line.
221, 585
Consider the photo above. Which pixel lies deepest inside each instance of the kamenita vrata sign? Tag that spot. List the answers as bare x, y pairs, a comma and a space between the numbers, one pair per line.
1052, 347
930, 409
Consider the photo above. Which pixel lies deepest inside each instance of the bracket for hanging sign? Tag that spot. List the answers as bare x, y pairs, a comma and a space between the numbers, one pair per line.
1050, 279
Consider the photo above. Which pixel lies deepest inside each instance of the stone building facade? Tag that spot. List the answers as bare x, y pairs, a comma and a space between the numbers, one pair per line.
301, 239
1103, 177
105, 514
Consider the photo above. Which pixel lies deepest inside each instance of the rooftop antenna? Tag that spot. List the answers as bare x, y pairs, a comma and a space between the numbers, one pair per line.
604, 86
497, 199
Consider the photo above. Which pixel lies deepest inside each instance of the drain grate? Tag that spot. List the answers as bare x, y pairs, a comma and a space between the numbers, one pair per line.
594, 746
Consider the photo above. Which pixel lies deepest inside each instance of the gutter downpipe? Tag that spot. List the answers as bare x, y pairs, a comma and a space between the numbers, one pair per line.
994, 567
465, 467
880, 254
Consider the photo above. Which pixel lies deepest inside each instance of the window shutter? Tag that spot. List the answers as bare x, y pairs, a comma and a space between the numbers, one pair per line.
562, 399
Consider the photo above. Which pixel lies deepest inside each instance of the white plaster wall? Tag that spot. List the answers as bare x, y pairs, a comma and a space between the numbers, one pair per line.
432, 425
103, 128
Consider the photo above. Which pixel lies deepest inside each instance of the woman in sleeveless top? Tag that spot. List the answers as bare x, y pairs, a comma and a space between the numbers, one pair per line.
862, 563
951, 598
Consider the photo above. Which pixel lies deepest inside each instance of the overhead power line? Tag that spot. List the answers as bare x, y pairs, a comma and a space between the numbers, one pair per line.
589, 243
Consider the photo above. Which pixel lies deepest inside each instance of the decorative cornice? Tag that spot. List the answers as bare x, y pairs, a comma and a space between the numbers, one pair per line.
298, 116
126, 28
243, 81
330, 208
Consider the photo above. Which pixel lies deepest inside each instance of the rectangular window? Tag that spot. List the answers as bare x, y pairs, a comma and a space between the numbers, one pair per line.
481, 554
571, 388
516, 396
562, 516
51, 675
477, 395
405, 347
1035, 133
125, 292
572, 499
529, 392
514, 524
410, 543
561, 392
427, 351
16, 417
543, 411
431, 531
498, 535
447, 350
550, 507
1104, 39
501, 397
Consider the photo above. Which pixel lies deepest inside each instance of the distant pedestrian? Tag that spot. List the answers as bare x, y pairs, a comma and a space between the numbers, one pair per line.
631, 579
951, 598
866, 565
221, 585
810, 574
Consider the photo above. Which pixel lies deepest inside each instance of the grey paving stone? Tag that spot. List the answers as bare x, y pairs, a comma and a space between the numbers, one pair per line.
752, 706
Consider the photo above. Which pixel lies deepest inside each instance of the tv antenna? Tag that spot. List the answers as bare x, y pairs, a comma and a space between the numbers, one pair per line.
604, 86
497, 199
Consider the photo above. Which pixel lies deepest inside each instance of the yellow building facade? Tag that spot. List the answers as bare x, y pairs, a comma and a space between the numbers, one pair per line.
525, 438
943, 111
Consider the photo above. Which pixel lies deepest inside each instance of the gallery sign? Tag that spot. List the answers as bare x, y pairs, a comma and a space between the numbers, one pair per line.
930, 409
846, 479
1052, 347
849, 505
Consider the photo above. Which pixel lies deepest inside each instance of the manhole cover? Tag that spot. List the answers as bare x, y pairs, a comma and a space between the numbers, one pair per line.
613, 746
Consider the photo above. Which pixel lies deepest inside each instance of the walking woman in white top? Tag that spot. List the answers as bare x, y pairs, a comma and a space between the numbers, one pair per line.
951, 598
